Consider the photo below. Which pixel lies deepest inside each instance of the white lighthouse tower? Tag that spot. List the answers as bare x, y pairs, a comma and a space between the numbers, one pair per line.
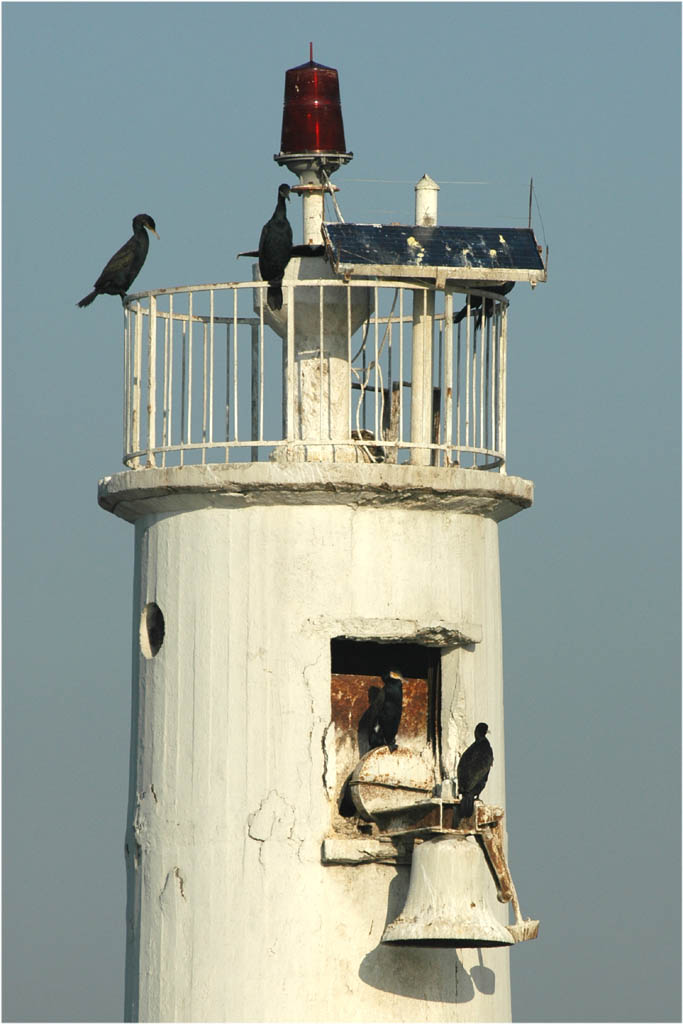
316, 496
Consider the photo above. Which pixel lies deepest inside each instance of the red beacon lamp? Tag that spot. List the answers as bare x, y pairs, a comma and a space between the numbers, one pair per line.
312, 125
312, 144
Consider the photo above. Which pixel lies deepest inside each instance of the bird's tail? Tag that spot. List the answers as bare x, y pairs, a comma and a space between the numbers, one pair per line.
89, 298
466, 806
275, 296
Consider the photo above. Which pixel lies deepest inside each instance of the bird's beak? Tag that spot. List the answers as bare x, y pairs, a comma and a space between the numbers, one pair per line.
155, 233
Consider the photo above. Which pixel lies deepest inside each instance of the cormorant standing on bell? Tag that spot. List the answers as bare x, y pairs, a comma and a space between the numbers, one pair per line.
275, 249
473, 770
385, 711
126, 263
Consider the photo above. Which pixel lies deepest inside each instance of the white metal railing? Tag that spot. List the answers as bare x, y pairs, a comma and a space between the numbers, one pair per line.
210, 377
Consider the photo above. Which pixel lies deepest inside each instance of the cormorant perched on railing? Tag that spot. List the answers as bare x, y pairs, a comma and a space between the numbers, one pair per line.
476, 301
385, 711
125, 265
473, 770
275, 249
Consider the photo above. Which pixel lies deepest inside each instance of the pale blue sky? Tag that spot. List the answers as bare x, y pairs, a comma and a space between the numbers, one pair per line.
175, 109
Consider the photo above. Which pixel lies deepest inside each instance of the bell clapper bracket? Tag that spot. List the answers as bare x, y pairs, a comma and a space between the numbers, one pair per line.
488, 828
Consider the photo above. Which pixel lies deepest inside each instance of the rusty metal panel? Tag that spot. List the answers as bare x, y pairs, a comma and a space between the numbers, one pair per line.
352, 695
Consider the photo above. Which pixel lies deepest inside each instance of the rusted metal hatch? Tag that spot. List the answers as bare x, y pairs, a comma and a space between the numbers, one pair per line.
357, 669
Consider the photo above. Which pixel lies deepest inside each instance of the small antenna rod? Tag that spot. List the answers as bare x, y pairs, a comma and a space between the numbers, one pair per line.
311, 46
531, 192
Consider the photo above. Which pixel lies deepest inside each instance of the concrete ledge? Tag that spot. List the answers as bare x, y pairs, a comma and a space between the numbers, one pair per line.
366, 851
134, 493
394, 630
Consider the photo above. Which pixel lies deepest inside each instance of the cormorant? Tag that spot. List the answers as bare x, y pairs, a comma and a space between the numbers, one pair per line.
385, 711
125, 265
275, 249
473, 770
476, 301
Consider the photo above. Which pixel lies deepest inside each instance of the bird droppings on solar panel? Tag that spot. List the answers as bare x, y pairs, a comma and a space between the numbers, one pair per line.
414, 244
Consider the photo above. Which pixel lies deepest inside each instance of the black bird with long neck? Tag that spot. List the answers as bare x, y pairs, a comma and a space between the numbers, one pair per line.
126, 263
275, 249
386, 711
473, 770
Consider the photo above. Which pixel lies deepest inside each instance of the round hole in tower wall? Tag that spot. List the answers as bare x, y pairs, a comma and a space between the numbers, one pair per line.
152, 629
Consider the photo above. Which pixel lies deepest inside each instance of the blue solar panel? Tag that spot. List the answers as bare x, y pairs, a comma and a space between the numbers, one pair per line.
460, 249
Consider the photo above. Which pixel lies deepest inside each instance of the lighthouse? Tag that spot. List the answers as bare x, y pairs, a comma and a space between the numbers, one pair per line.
316, 493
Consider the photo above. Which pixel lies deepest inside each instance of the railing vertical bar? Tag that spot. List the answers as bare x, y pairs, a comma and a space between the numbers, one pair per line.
151, 380
476, 358
283, 388
447, 390
291, 370
321, 372
229, 372
164, 398
254, 389
190, 331
261, 385
377, 371
400, 367
183, 382
211, 363
487, 402
468, 370
126, 383
235, 375
458, 392
502, 391
498, 372
349, 357
227, 390
482, 371
205, 385
364, 366
439, 454
170, 370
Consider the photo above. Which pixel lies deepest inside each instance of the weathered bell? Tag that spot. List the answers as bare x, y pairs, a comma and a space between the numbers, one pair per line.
447, 901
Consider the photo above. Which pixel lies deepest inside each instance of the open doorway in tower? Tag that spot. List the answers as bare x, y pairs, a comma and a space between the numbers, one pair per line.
359, 672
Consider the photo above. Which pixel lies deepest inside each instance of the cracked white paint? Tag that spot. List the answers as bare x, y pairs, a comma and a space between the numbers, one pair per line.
173, 886
329, 759
274, 819
233, 747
